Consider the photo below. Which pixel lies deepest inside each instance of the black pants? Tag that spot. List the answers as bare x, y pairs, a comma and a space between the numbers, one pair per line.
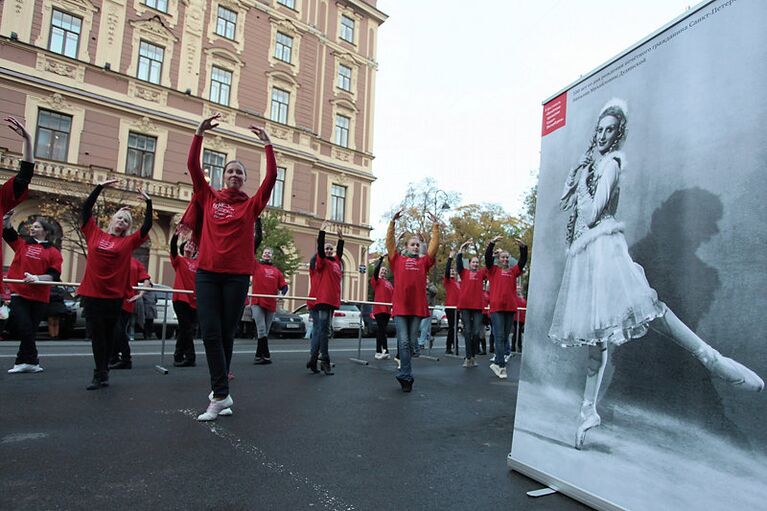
121, 348
187, 322
220, 298
26, 315
451, 316
382, 322
516, 338
101, 314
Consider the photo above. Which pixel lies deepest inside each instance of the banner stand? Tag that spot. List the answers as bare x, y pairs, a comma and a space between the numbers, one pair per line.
161, 368
359, 360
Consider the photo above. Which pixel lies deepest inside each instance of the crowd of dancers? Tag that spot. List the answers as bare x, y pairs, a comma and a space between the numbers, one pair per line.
214, 254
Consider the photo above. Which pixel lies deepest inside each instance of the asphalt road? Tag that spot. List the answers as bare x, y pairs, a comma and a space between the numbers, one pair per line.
296, 440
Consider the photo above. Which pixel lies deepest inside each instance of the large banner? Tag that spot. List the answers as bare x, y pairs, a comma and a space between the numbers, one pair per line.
646, 342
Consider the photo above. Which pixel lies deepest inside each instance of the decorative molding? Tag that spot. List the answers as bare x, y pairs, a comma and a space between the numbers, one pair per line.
61, 67
139, 89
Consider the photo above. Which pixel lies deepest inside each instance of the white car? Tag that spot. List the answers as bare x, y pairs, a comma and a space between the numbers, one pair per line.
346, 319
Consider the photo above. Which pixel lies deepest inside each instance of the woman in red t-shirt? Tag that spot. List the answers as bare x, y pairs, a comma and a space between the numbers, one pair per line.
107, 275
409, 299
503, 298
325, 272
36, 259
383, 290
452, 291
184, 304
267, 280
225, 222
470, 303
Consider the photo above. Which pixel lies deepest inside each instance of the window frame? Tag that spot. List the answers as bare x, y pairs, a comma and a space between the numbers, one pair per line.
341, 131
154, 7
285, 3
280, 48
50, 147
342, 78
211, 167
227, 23
344, 28
279, 184
144, 173
335, 200
283, 108
64, 39
151, 60
221, 86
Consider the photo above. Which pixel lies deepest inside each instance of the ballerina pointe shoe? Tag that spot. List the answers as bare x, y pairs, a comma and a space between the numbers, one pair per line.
734, 373
588, 421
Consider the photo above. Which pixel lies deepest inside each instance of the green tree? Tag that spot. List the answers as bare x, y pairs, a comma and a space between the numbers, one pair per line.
280, 240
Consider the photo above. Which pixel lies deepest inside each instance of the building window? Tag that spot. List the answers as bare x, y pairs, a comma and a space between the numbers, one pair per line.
337, 203
347, 29
150, 62
141, 150
275, 201
342, 130
220, 85
65, 33
158, 5
213, 162
344, 77
288, 3
52, 138
226, 23
280, 105
283, 47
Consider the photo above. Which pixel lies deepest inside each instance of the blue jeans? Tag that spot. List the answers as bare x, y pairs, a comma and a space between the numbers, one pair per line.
503, 324
407, 335
472, 326
320, 333
424, 332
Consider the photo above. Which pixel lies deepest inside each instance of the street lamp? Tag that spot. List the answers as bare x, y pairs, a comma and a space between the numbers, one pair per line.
445, 206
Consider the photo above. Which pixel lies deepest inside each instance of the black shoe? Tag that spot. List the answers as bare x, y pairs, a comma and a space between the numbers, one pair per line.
100, 380
122, 364
262, 361
448, 352
312, 365
187, 363
325, 365
407, 385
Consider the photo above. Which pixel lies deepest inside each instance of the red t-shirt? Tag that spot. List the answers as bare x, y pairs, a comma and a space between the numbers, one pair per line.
35, 258
452, 291
503, 288
520, 316
107, 270
185, 279
383, 291
471, 289
410, 274
138, 274
226, 244
326, 285
267, 280
8, 201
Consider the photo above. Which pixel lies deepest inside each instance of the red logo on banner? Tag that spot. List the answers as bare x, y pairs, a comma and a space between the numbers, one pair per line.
554, 114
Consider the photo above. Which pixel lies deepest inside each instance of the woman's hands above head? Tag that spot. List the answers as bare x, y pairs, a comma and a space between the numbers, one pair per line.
325, 225
7, 219
108, 182
397, 215
260, 133
143, 194
340, 233
433, 218
17, 127
465, 245
208, 124
452, 253
496, 239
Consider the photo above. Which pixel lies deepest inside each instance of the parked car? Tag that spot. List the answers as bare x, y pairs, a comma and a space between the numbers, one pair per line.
369, 325
165, 300
287, 324
346, 319
438, 319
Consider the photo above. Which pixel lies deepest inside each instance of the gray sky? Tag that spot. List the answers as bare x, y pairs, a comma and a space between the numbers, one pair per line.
459, 92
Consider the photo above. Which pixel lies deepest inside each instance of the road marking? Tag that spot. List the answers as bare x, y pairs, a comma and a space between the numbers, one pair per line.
22, 437
326, 499
170, 354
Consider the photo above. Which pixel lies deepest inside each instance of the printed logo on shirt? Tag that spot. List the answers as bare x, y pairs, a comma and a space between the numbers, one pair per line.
34, 251
192, 265
411, 264
222, 210
106, 244
337, 269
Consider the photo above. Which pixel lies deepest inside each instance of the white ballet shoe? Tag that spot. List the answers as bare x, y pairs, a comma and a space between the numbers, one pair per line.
734, 373
215, 408
589, 419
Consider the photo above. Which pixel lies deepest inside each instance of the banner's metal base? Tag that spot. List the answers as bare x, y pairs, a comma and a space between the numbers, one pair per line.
160, 369
429, 357
359, 361
541, 493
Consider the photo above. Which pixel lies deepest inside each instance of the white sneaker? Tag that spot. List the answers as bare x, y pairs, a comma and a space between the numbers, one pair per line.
496, 369
503, 374
507, 357
25, 368
385, 355
226, 412
466, 362
399, 362
474, 362
215, 408
378, 356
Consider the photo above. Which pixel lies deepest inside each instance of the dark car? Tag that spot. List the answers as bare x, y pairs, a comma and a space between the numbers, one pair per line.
287, 324
369, 325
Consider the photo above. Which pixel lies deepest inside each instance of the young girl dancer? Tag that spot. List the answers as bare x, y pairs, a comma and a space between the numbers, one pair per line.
267, 280
470, 303
409, 300
184, 304
107, 275
383, 290
35, 259
604, 297
225, 220
326, 288
503, 298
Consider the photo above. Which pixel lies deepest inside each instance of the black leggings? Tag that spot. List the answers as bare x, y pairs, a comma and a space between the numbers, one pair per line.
187, 321
451, 315
121, 349
26, 315
220, 298
382, 322
101, 314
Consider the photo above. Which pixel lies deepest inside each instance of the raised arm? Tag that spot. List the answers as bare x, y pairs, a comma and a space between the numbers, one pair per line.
147, 213
489, 256
340, 245
27, 165
193, 159
321, 242
261, 197
391, 244
90, 201
449, 264
259, 236
522, 255
174, 245
434, 241
9, 233
377, 267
